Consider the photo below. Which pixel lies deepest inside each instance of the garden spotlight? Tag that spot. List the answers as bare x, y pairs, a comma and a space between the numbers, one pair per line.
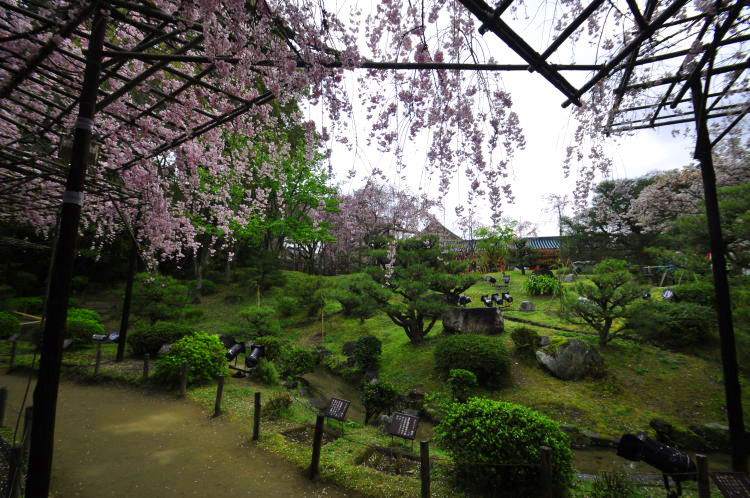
251, 360
646, 295
491, 279
463, 300
235, 350
668, 295
665, 458
497, 299
506, 279
486, 300
507, 297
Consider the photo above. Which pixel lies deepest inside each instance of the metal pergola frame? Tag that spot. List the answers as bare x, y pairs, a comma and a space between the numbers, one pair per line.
38, 99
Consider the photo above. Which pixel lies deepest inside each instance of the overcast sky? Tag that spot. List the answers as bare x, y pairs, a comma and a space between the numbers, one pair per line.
537, 170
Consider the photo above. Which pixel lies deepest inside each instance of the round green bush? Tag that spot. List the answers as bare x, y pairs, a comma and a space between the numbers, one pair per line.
542, 285
273, 347
671, 325
9, 324
30, 305
483, 431
81, 330
260, 321
298, 361
191, 313
158, 297
151, 339
526, 340
287, 306
266, 372
277, 406
367, 351
461, 382
83, 314
378, 397
486, 357
204, 353
696, 292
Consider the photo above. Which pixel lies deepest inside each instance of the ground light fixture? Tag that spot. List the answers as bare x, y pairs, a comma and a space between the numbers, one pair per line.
506, 279
497, 299
668, 295
463, 300
486, 300
491, 279
507, 297
670, 461
253, 353
646, 295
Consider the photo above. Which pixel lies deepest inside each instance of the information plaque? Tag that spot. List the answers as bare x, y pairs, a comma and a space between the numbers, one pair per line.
403, 425
337, 409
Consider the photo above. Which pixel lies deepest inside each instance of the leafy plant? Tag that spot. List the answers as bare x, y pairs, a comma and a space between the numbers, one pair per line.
298, 361
82, 330
696, 292
150, 339
266, 372
526, 340
191, 313
367, 351
273, 347
277, 406
31, 305
485, 357
9, 324
158, 297
261, 321
672, 325
482, 433
204, 353
359, 296
208, 287
610, 484
287, 306
462, 382
378, 397
83, 314
542, 285
600, 303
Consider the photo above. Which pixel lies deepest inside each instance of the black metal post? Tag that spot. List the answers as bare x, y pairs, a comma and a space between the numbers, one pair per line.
545, 473
424, 467
721, 284
132, 259
3, 404
219, 392
45, 394
317, 443
184, 379
146, 358
256, 418
704, 483
13, 350
98, 359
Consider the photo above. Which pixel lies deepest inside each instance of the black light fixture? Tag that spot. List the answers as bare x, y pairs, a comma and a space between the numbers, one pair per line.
486, 300
668, 295
506, 279
99, 337
646, 295
491, 279
497, 299
235, 348
463, 300
252, 359
507, 297
670, 461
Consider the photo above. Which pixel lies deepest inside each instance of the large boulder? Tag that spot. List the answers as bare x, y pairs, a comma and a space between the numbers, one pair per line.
473, 321
571, 359
527, 306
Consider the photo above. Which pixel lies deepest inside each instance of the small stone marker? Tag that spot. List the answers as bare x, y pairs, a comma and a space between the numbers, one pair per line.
337, 409
403, 425
527, 306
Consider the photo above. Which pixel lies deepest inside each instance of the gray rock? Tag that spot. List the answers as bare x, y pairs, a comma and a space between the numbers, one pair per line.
164, 349
544, 340
383, 420
570, 277
571, 359
527, 306
473, 321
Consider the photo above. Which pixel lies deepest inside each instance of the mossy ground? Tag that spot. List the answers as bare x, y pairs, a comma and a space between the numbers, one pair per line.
643, 382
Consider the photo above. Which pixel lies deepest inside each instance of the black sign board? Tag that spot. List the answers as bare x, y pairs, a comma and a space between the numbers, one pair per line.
731, 483
337, 408
403, 425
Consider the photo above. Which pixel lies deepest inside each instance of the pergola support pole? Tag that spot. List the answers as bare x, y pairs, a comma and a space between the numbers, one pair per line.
45, 394
132, 259
721, 284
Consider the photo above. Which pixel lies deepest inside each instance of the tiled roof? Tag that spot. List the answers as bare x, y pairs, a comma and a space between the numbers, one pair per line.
544, 242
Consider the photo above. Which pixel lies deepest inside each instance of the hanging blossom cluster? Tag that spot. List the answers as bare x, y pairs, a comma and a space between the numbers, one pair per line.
273, 46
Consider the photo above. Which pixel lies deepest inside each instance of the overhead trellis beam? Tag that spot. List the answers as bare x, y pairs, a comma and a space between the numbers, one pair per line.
571, 28
639, 19
46, 50
663, 17
731, 126
740, 66
483, 12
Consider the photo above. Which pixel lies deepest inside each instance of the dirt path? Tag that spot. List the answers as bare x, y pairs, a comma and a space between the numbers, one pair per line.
120, 442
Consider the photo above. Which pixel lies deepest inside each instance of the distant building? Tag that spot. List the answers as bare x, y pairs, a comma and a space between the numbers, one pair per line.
547, 249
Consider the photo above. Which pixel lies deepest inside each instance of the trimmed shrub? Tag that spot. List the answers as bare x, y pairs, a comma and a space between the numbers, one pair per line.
30, 305
158, 297
208, 288
9, 324
461, 382
205, 354
287, 306
81, 330
696, 292
298, 361
260, 321
671, 325
483, 431
485, 357
273, 347
151, 339
83, 314
358, 296
526, 340
191, 313
378, 397
266, 372
277, 406
542, 285
367, 351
